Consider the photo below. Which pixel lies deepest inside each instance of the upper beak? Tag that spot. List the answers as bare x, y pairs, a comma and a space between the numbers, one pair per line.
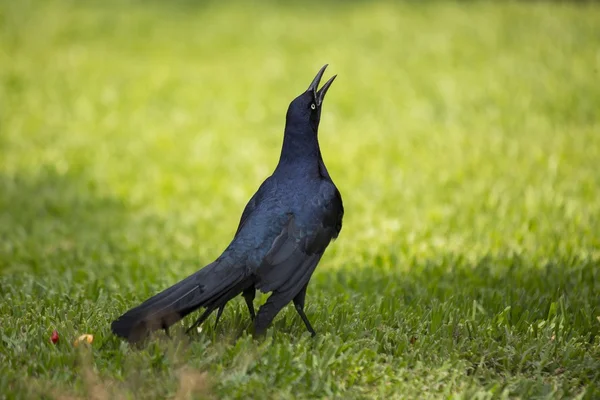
320, 94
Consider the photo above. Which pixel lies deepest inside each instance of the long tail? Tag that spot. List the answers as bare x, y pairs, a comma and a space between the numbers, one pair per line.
211, 287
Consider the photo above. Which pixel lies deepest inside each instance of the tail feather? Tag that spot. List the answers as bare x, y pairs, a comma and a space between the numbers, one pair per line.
209, 286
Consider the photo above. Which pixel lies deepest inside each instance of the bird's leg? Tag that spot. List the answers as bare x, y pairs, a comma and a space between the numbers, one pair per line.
249, 295
219, 315
268, 311
200, 320
299, 305
166, 329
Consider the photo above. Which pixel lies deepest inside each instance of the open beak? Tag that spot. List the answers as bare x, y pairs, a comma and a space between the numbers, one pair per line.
319, 95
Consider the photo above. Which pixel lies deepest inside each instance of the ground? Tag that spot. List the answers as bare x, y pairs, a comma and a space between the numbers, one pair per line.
464, 137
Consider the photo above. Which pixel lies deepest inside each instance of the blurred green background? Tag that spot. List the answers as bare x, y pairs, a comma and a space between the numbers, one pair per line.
464, 137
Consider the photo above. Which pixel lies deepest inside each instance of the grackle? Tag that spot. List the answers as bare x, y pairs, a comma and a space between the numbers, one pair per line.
283, 232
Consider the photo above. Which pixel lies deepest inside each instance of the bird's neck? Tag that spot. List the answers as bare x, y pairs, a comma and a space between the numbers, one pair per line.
300, 150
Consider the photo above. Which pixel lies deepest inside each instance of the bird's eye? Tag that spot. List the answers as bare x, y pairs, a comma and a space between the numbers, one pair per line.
312, 106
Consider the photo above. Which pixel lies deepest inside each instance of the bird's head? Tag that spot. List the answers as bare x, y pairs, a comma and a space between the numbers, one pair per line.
306, 108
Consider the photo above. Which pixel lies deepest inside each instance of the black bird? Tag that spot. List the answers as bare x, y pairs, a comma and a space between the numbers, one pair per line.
283, 233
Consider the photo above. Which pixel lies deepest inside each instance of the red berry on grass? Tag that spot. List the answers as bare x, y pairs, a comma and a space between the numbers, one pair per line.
54, 337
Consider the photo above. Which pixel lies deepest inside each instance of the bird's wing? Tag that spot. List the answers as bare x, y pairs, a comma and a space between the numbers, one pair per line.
252, 203
296, 251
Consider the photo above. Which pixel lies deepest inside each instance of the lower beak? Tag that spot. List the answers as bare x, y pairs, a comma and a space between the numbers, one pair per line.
324, 89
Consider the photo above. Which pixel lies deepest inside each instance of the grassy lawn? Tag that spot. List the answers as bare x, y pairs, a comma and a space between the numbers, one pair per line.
465, 140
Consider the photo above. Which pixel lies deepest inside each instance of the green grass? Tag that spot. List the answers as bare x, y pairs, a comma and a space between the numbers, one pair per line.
465, 139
